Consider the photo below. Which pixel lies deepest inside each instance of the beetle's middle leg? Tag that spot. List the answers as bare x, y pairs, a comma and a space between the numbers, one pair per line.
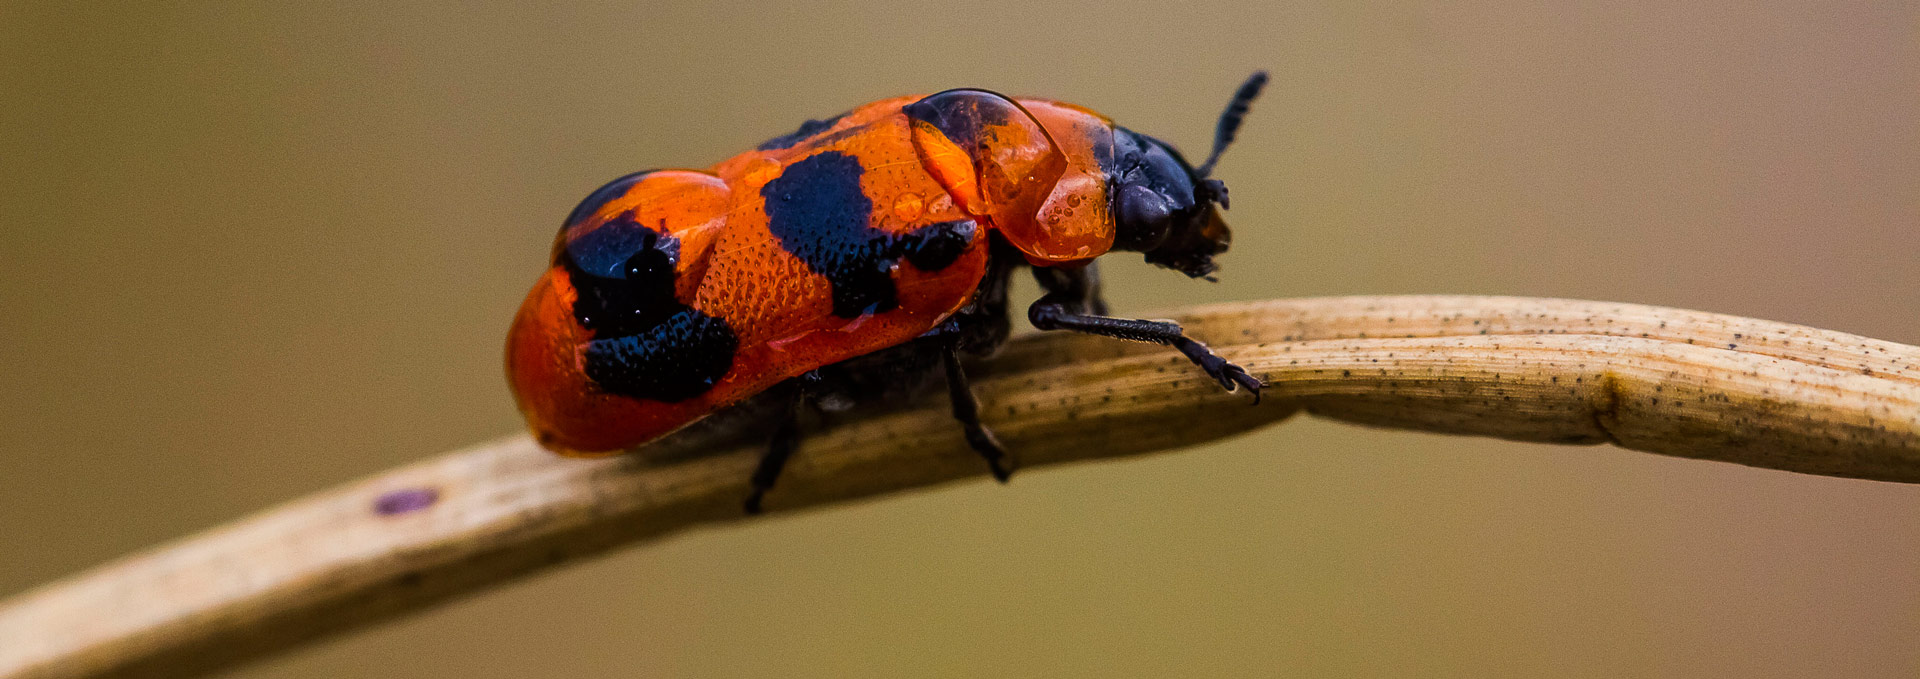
979, 328
966, 409
786, 437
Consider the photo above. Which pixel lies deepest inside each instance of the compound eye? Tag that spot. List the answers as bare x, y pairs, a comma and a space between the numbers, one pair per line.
1145, 218
1142, 208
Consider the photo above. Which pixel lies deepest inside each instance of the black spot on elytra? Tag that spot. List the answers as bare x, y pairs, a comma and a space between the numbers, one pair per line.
623, 275
807, 129
678, 359
603, 195
818, 212
935, 246
647, 344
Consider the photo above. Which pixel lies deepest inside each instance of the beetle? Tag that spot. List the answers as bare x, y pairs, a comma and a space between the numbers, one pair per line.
860, 255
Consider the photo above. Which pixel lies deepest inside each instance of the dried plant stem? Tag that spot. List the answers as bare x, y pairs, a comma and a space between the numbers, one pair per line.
1658, 380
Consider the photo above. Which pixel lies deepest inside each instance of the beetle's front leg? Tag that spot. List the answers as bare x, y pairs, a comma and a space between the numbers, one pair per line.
1060, 308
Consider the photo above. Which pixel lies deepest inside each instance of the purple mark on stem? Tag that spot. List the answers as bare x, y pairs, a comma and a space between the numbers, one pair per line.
405, 500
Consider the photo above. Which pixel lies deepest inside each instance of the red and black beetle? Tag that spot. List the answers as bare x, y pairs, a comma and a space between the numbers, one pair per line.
883, 236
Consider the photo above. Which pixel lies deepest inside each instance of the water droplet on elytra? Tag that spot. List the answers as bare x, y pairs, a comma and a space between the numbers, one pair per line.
908, 206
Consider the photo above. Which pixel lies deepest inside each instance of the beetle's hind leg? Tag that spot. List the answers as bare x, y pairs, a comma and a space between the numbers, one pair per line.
786, 437
1065, 307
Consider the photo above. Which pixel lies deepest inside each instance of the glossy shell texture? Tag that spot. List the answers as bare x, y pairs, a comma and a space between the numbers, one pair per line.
674, 293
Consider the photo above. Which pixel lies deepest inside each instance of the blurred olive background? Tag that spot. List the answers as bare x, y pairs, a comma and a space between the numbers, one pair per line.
252, 250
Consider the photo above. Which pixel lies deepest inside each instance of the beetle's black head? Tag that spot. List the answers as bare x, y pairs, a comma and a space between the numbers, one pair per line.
1165, 207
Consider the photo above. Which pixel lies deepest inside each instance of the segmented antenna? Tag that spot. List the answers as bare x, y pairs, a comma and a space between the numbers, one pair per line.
1230, 119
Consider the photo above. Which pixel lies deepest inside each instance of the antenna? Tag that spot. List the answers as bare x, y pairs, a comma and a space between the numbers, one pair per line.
1230, 119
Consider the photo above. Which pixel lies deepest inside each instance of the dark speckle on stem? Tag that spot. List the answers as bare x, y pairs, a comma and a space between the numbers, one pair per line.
405, 500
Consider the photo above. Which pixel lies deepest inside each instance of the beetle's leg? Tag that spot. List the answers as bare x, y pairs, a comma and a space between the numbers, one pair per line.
1075, 289
1054, 316
786, 437
1066, 294
967, 410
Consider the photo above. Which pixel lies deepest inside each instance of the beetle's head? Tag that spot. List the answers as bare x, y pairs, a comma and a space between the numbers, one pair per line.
1165, 207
